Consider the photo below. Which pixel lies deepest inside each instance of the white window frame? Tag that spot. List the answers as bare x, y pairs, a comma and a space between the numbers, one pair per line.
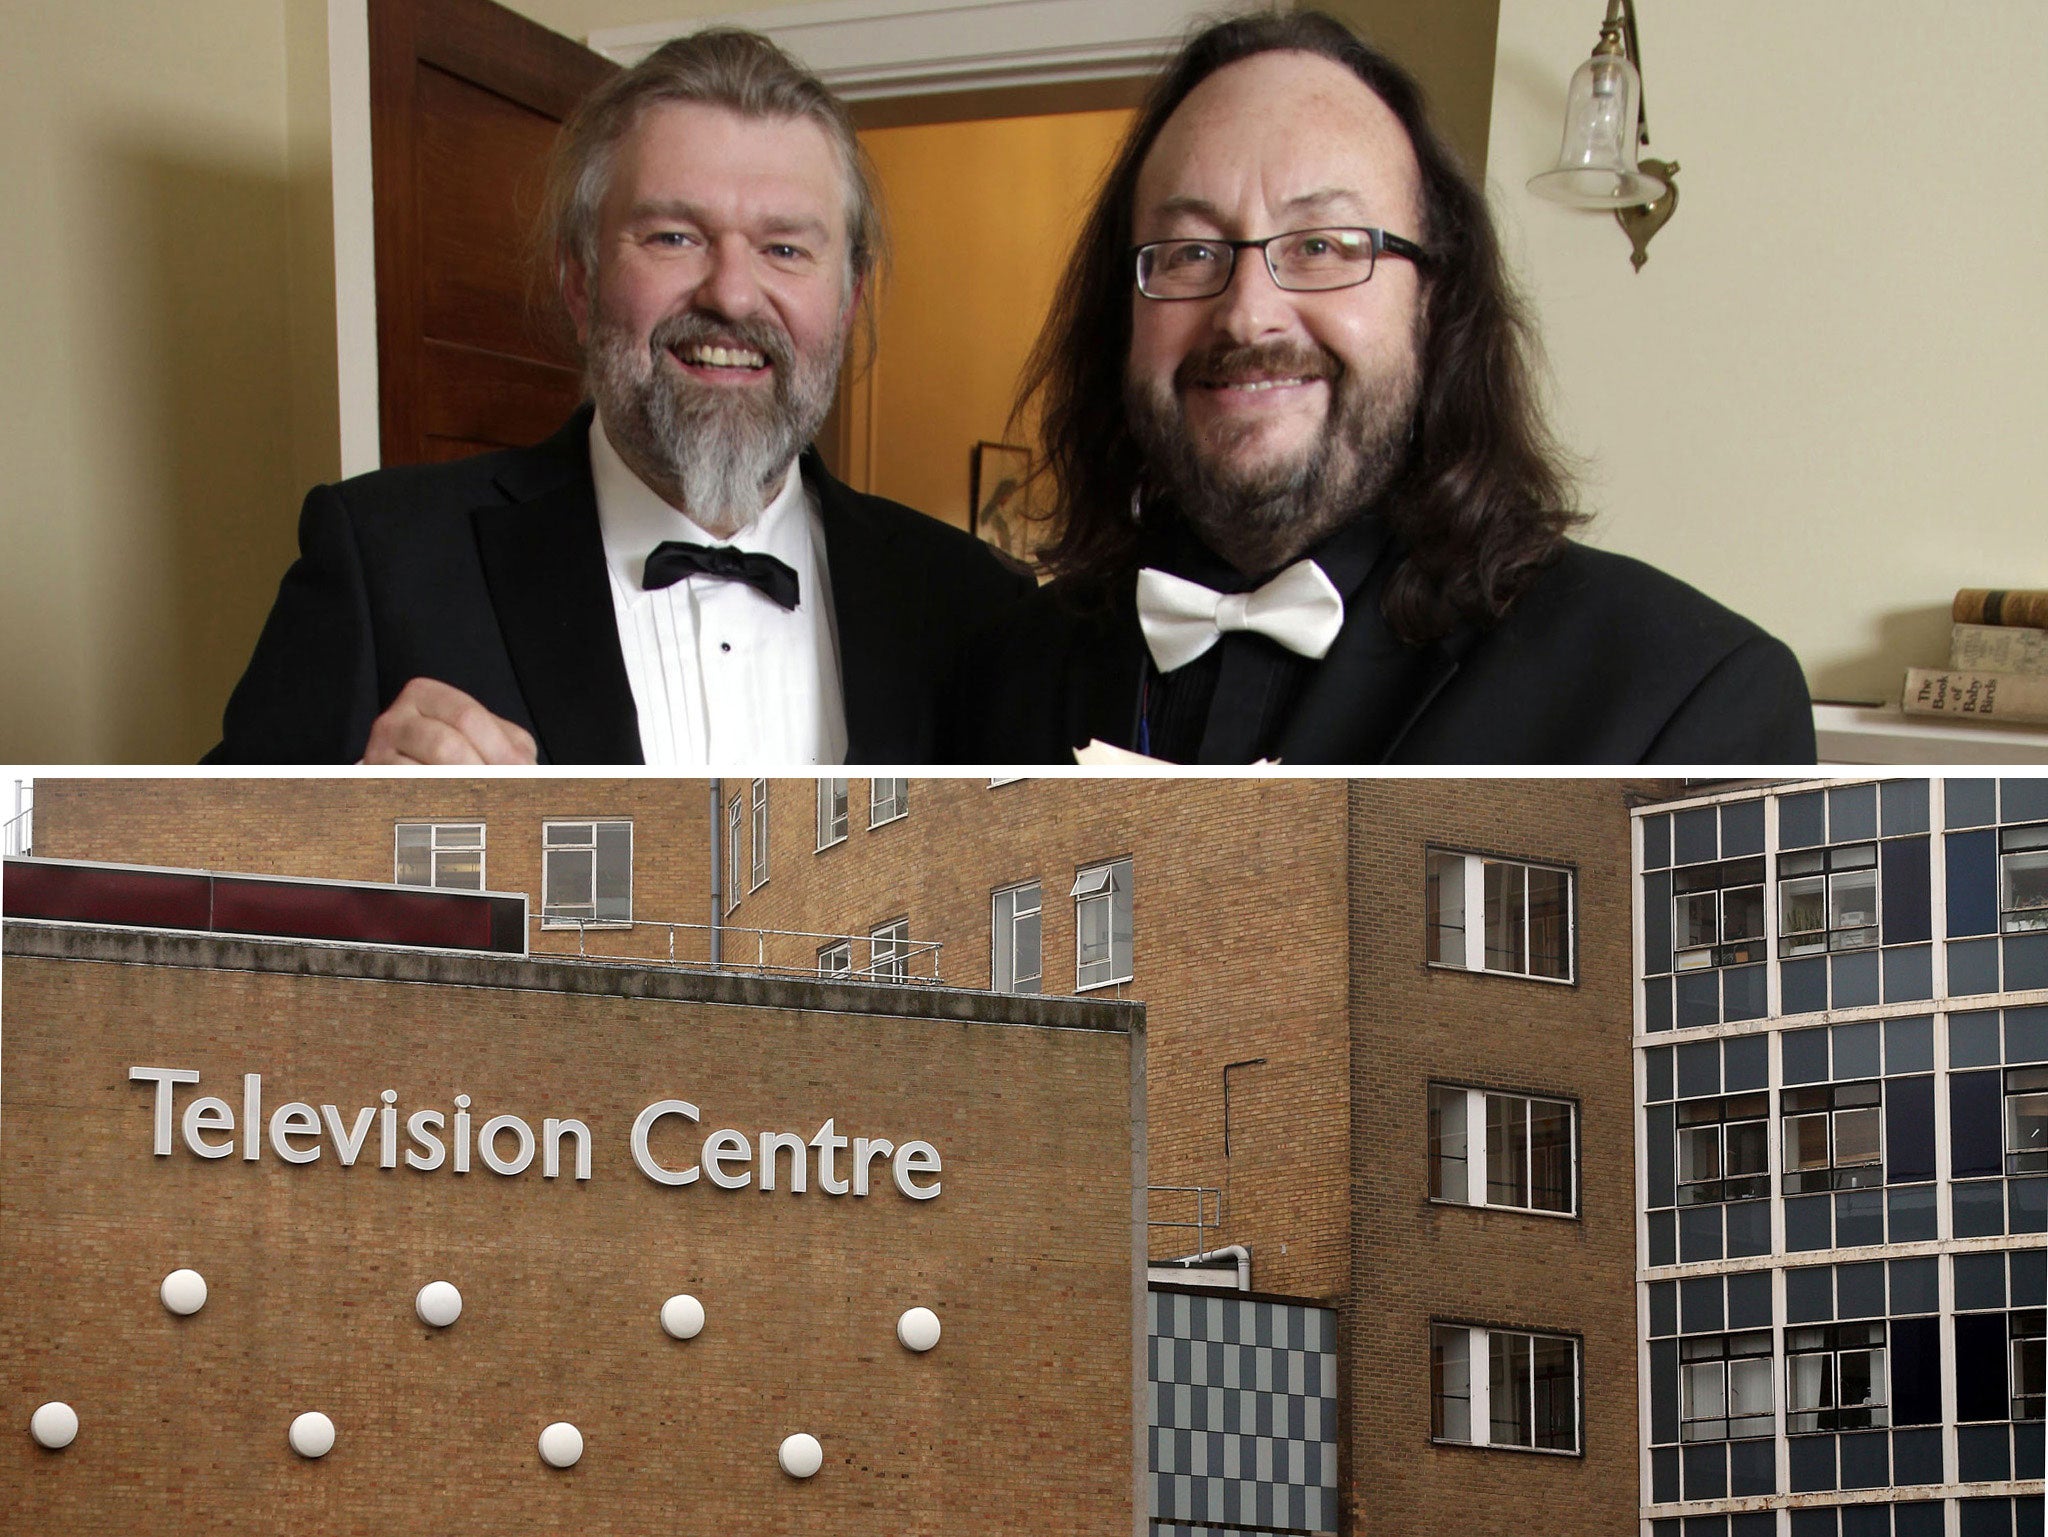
1477, 1131
550, 919
1473, 915
2029, 844
1757, 1349
1868, 1174
997, 918
835, 959
735, 849
1689, 1132
758, 871
889, 951
436, 848
1098, 883
890, 806
1832, 937
1479, 1381
1828, 1409
832, 818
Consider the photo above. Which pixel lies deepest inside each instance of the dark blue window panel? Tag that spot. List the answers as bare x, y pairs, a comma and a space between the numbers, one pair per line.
2029, 1278
1699, 998
1806, 1224
1742, 993
1660, 1124
1699, 1069
1802, 821
1866, 1460
1979, 1209
1983, 1452
1911, 1214
1657, 1075
1985, 1518
1857, 1052
2026, 962
2026, 1205
1693, 840
1812, 1463
1909, 1045
1810, 1295
1663, 1308
1972, 883
1904, 882
1742, 829
1752, 1468
1657, 841
1855, 979
1972, 967
1980, 1282
1859, 1218
1921, 1518
1664, 1475
1702, 1307
2023, 800
1749, 1299
1852, 814
1699, 1233
1908, 1130
1803, 985
1814, 1523
2026, 1036
1859, 1290
1656, 924
1657, 1004
1916, 1371
1704, 1526
1973, 1039
1905, 806
1663, 1238
1805, 1054
1863, 1520
1970, 802
1754, 1523
2027, 1513
1914, 1284
1746, 1063
1909, 974
1916, 1454
1976, 1133
1749, 1229
2026, 1450
1706, 1471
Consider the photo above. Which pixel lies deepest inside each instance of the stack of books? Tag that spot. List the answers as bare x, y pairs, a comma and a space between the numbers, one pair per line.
1997, 661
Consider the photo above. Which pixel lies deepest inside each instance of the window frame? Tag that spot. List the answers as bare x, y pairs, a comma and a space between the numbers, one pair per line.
1829, 1102
898, 802
832, 813
895, 934
1105, 891
1719, 881
1479, 1388
1730, 1110
2021, 1084
835, 958
996, 920
1834, 867
735, 820
1473, 935
1829, 1344
1756, 1346
2025, 843
1477, 1182
550, 917
758, 866
435, 849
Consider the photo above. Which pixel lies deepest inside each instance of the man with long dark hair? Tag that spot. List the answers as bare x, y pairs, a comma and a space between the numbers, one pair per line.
1308, 509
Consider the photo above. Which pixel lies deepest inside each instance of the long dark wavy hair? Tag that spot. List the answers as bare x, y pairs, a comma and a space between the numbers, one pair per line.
1480, 504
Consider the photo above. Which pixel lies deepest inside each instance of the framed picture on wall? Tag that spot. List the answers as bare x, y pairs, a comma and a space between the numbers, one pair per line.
1000, 499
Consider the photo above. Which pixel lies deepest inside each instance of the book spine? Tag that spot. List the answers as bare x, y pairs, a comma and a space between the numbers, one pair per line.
1998, 648
1999, 696
1998, 605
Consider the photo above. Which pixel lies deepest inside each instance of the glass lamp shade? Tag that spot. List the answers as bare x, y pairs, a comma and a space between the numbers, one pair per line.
1596, 163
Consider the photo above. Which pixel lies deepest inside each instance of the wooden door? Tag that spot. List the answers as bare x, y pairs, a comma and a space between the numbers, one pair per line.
465, 100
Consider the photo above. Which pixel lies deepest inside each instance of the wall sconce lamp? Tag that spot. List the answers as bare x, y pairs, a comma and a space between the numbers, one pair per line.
1603, 125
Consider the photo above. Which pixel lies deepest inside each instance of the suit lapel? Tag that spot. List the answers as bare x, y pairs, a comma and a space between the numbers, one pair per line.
1111, 665
1368, 693
543, 560
875, 610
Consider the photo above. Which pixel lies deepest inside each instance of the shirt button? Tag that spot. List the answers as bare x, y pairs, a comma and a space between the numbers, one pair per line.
725, 645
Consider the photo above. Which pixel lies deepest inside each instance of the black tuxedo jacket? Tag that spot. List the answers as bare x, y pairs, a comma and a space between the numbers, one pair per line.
1602, 659
489, 574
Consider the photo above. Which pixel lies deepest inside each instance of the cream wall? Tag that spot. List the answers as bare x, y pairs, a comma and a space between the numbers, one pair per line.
1820, 399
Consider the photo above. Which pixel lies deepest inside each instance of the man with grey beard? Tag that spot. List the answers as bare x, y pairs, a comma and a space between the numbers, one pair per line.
1308, 510
671, 579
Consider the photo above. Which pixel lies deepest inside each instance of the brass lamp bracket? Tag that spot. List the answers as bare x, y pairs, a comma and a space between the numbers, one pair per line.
1640, 223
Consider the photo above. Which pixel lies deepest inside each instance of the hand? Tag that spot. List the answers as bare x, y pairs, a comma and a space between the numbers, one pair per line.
433, 722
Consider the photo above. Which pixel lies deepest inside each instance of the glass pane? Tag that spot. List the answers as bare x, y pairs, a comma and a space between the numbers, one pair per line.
568, 882
1447, 1174
2029, 1378
1506, 930
1748, 1148
1002, 941
1556, 1392
1507, 1150
1550, 1155
1806, 1142
1511, 1380
1450, 1376
1803, 915
1703, 1392
1550, 928
414, 864
2023, 891
1852, 899
1809, 1389
2026, 1133
614, 900
1862, 1388
459, 870
1030, 961
1749, 1390
1856, 1136
565, 835
1696, 919
1742, 913
1091, 940
1444, 896
1699, 1155
1120, 919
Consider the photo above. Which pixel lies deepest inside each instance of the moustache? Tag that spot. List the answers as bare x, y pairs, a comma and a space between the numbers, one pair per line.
697, 330
1229, 363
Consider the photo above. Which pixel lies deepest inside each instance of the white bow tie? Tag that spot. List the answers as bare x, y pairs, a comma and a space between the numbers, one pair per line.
1299, 608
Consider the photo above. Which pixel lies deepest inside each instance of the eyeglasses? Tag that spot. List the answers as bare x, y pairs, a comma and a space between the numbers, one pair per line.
1301, 261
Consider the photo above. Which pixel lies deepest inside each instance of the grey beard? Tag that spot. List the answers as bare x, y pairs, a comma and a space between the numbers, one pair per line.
715, 454
1261, 520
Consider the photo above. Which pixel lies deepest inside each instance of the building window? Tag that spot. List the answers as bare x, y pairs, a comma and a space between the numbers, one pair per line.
1102, 925
1501, 1150
1725, 1386
735, 849
1827, 899
1498, 915
1724, 1149
760, 868
2023, 878
1835, 1378
1717, 914
1834, 1137
836, 959
889, 951
2029, 1363
1527, 1396
586, 873
831, 812
1015, 940
2026, 1120
888, 799
445, 854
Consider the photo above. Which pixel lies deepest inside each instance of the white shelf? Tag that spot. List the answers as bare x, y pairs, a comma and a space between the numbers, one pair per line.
1884, 734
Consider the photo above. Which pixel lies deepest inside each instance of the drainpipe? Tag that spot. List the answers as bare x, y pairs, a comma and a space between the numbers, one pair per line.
1236, 1251
717, 871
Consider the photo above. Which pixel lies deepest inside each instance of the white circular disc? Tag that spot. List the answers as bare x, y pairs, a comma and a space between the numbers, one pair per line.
438, 1303
918, 1329
312, 1434
561, 1445
184, 1291
683, 1316
800, 1455
54, 1426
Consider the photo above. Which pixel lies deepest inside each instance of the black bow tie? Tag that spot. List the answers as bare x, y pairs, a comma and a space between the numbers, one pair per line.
673, 560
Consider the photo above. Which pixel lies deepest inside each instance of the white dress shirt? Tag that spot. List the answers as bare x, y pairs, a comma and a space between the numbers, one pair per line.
722, 674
